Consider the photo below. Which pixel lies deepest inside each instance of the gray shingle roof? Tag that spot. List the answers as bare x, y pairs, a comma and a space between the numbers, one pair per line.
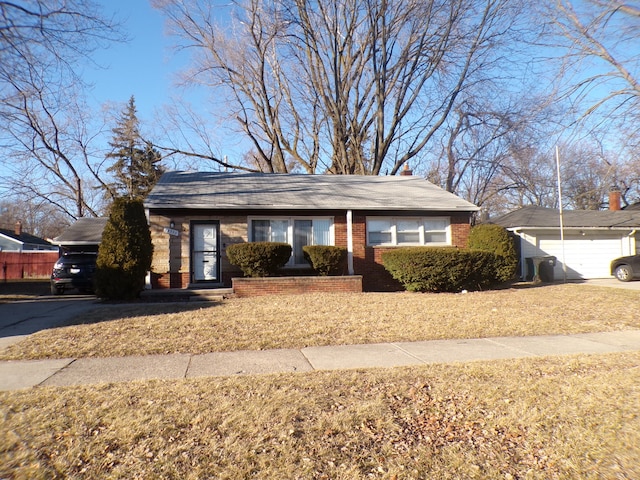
539, 217
24, 238
85, 231
236, 191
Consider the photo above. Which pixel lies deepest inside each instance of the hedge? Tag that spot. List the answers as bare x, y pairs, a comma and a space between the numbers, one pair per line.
429, 269
496, 239
326, 259
259, 259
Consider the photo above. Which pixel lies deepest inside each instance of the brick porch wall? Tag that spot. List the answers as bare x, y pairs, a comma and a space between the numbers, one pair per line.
250, 287
169, 280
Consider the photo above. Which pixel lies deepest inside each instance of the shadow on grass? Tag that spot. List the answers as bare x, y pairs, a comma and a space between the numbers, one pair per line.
24, 288
109, 311
24, 315
523, 285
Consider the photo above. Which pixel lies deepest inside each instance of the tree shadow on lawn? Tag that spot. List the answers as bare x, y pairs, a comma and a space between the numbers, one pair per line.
10, 289
25, 317
521, 285
110, 311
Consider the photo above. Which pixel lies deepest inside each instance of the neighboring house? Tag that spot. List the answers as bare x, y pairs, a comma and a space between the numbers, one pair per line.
84, 235
23, 255
18, 241
194, 216
592, 239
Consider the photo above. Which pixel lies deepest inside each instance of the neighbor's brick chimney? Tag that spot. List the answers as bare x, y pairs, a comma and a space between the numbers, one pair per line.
406, 171
18, 229
614, 198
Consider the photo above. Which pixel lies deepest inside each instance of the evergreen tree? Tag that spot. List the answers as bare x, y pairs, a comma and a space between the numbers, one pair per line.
136, 167
125, 253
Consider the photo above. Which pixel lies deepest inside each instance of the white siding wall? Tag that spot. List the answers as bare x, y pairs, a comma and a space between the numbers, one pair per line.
586, 255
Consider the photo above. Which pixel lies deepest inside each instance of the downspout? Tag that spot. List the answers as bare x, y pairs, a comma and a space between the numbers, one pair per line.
523, 263
631, 237
350, 241
147, 277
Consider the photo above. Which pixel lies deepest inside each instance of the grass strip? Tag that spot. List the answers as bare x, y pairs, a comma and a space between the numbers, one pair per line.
558, 417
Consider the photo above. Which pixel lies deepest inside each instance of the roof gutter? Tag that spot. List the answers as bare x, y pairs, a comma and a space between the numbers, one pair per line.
519, 229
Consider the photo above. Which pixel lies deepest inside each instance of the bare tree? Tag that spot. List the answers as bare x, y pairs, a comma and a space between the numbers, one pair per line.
601, 60
41, 42
39, 218
51, 154
587, 176
43, 126
532, 173
344, 86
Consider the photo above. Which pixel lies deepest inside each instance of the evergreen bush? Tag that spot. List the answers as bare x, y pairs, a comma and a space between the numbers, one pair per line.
125, 253
496, 239
259, 259
326, 259
429, 269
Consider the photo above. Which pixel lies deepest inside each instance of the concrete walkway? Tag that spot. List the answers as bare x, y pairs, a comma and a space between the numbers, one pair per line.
26, 374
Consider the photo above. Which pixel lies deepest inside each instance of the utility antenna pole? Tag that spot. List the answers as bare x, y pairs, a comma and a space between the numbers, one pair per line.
564, 263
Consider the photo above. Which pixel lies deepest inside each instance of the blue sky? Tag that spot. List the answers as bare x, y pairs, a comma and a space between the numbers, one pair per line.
143, 67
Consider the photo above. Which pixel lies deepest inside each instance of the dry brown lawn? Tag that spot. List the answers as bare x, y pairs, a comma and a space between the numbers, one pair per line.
543, 418
297, 321
554, 418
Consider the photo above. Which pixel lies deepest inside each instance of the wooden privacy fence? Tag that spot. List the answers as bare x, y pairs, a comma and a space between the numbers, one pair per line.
17, 265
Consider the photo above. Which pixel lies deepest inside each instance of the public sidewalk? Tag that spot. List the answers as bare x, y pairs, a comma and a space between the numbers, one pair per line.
16, 375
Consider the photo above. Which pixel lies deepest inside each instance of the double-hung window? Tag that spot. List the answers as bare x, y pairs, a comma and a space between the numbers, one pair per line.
399, 231
297, 232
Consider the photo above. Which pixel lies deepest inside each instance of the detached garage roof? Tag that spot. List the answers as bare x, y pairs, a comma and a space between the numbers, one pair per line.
258, 191
533, 217
85, 231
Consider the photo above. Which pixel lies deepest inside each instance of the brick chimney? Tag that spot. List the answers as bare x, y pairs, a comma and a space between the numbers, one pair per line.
406, 171
18, 228
614, 199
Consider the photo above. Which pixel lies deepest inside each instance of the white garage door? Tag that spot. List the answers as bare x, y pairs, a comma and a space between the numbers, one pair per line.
585, 257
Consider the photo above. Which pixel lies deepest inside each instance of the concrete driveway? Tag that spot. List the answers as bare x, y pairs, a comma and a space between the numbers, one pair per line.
613, 283
19, 319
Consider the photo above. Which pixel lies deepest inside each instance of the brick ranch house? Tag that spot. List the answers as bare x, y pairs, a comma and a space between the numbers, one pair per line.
195, 216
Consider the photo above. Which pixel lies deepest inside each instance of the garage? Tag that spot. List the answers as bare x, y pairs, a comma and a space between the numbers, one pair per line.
584, 257
592, 238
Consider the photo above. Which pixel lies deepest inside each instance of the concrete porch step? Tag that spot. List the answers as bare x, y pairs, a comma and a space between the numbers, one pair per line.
209, 294
186, 294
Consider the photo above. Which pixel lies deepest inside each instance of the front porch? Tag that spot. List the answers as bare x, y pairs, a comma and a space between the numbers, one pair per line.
248, 287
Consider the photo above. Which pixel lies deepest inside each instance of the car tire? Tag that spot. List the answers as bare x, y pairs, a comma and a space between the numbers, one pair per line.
56, 290
623, 273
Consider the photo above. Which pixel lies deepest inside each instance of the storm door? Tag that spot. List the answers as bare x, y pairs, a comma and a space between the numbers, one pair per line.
205, 256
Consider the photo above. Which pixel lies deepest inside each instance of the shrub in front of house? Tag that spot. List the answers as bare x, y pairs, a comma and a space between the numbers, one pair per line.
125, 252
429, 269
496, 239
326, 259
259, 259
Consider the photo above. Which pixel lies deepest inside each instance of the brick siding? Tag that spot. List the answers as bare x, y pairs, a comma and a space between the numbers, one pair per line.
248, 287
171, 262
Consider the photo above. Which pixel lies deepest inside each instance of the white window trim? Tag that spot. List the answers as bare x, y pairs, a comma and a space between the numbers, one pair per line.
394, 232
290, 220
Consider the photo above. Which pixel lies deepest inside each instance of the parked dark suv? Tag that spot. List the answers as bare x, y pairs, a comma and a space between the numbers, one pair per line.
73, 270
626, 269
